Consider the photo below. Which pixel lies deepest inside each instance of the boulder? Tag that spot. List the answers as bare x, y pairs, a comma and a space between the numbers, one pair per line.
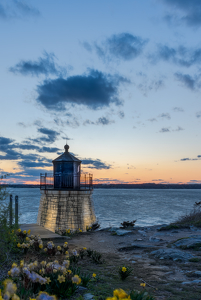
189, 242
173, 254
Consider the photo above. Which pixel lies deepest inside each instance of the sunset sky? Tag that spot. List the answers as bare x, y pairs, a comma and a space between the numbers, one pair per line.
120, 80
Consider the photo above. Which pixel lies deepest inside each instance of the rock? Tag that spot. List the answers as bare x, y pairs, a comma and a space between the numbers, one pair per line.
134, 246
193, 228
198, 273
122, 232
173, 254
154, 239
189, 242
81, 289
88, 296
192, 282
142, 232
112, 229
174, 231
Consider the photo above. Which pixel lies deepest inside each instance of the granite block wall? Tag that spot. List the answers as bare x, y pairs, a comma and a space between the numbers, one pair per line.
66, 210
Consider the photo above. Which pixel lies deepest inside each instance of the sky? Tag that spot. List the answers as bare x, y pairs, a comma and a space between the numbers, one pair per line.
119, 81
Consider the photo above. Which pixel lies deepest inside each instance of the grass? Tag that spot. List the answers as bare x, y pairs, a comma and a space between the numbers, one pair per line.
191, 219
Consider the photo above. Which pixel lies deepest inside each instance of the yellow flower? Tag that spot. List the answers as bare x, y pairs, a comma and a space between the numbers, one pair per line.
80, 230
121, 294
43, 263
27, 239
41, 246
111, 298
9, 273
19, 230
14, 265
84, 248
40, 271
54, 270
94, 275
29, 231
22, 263
76, 279
69, 271
123, 269
48, 280
58, 248
45, 250
35, 263
24, 231
61, 278
143, 284
66, 243
12, 231
15, 297
18, 245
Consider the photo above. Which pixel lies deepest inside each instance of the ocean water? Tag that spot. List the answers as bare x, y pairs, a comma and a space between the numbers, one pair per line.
113, 206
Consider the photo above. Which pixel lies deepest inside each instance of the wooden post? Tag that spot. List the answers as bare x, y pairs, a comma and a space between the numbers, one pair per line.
16, 210
11, 210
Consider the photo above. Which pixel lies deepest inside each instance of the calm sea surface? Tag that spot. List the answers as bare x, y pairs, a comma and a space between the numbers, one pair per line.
113, 206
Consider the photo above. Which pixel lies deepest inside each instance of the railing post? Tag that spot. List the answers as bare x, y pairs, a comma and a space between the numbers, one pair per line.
16, 210
11, 210
45, 180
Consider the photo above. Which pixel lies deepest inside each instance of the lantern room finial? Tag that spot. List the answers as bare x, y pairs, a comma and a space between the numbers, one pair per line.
66, 147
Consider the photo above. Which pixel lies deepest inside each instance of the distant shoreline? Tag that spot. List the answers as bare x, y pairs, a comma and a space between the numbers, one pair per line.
123, 186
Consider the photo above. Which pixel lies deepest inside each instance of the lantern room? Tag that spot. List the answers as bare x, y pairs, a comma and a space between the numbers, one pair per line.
66, 174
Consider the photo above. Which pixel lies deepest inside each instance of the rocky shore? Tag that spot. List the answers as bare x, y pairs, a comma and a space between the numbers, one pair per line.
167, 260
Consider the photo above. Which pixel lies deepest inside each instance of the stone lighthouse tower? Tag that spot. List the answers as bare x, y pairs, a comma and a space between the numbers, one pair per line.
66, 196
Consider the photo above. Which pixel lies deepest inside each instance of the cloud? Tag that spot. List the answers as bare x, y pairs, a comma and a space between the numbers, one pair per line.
182, 56
87, 46
95, 164
157, 179
178, 109
165, 116
124, 46
5, 141
147, 86
178, 128
190, 11
163, 130
100, 121
51, 135
34, 164
15, 9
188, 81
152, 120
187, 158
94, 90
198, 114
121, 114
44, 65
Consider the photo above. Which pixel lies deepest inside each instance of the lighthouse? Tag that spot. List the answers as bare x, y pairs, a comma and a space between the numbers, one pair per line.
66, 195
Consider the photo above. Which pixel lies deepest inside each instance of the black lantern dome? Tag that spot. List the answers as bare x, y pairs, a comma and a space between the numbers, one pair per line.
66, 170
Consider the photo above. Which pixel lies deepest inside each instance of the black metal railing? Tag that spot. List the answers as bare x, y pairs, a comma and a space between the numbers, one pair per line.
72, 182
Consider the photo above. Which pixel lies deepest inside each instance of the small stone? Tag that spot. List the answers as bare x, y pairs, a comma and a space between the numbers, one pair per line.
88, 296
123, 232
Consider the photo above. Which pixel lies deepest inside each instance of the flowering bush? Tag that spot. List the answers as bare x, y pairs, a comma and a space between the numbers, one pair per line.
119, 294
52, 277
124, 272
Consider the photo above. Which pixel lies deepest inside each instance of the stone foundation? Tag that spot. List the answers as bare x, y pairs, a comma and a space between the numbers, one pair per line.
66, 210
